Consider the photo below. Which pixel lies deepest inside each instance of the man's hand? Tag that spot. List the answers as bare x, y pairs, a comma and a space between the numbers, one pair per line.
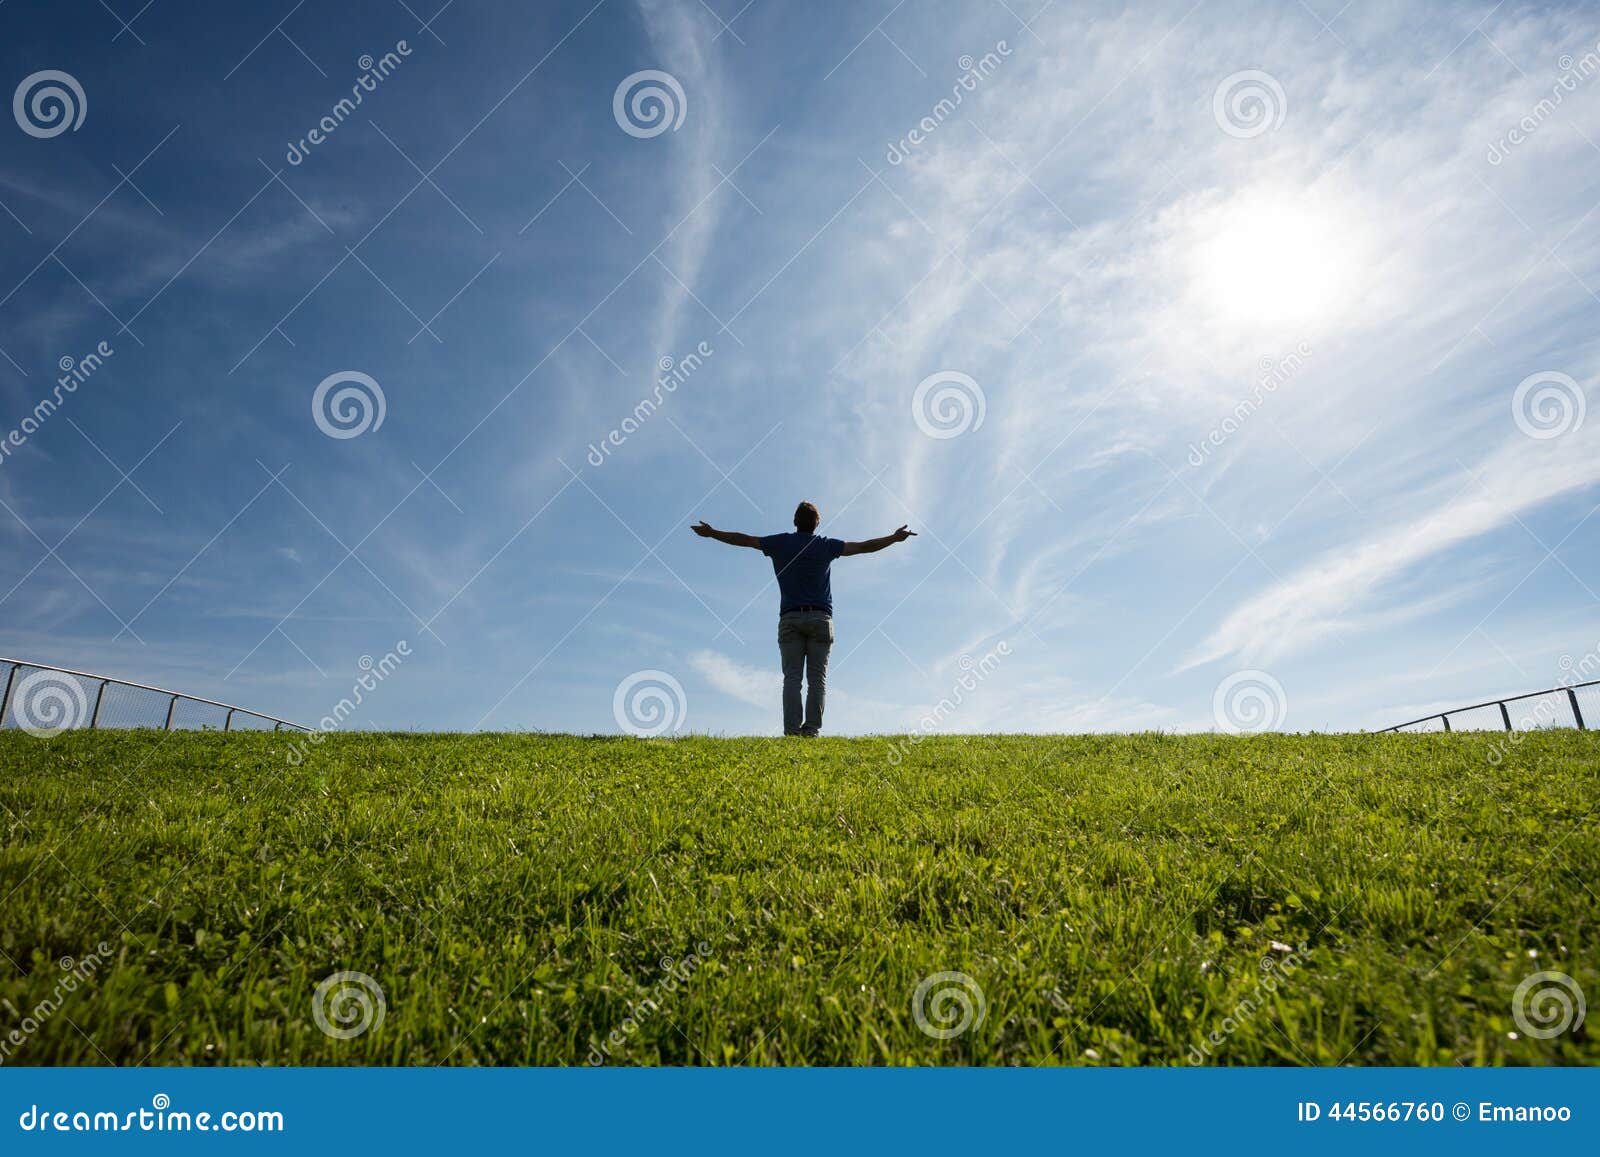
872, 545
732, 537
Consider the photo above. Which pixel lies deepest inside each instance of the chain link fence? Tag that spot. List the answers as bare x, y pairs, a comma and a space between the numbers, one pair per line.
1577, 705
44, 699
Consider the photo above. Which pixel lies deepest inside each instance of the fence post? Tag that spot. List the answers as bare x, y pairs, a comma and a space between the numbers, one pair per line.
1572, 697
99, 698
1445, 719
171, 707
227, 723
5, 705
1506, 715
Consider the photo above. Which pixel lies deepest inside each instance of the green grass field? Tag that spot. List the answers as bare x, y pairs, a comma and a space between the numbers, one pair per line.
1116, 900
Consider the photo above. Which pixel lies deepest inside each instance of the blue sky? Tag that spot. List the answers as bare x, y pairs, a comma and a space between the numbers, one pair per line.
1247, 294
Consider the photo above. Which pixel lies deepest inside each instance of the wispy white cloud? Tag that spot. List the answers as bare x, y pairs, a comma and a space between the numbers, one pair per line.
757, 686
680, 33
1332, 589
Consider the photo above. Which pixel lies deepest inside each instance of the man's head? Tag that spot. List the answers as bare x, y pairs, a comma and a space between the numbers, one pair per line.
806, 517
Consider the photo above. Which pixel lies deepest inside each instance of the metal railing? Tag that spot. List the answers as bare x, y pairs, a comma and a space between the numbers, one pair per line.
46, 699
1570, 691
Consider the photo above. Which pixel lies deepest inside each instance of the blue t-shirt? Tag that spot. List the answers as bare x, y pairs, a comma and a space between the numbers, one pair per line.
801, 563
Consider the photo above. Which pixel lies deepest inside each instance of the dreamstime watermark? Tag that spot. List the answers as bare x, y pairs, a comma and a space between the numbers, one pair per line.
650, 703
675, 974
673, 373
1548, 404
1579, 670
1274, 972
47, 703
74, 372
373, 73
77, 974
373, 672
159, 1118
1544, 712
1573, 73
358, 405
648, 103
972, 71
947, 404
1249, 701
49, 103
1274, 374
947, 1004
973, 672
1540, 716
347, 1004
1249, 103
1547, 1004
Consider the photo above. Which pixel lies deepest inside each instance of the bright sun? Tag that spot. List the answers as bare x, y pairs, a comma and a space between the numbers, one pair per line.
1274, 259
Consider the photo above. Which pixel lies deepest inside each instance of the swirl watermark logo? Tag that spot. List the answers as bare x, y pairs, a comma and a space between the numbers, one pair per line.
650, 703
947, 1004
1547, 1004
648, 103
347, 1004
49, 703
1249, 701
1548, 404
947, 404
358, 405
49, 103
1249, 103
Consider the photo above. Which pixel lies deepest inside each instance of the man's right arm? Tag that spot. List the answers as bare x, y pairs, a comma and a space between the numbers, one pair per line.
731, 537
871, 545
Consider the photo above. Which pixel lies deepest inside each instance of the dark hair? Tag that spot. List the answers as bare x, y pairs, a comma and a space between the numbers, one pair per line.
806, 517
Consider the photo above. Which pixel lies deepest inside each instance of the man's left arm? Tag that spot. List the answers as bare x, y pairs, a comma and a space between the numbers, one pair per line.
731, 537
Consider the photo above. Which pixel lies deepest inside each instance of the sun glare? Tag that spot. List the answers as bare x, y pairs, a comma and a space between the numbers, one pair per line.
1273, 259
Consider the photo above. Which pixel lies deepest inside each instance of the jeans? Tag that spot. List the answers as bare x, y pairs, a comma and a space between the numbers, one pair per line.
803, 643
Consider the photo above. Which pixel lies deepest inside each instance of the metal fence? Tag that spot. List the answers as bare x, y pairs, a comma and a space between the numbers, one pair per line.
45, 699
1557, 707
